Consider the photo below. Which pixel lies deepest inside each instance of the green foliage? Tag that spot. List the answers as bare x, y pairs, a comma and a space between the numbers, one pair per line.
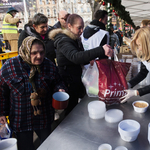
120, 9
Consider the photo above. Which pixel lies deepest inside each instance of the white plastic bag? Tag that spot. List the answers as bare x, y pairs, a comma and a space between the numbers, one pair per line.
90, 80
5, 132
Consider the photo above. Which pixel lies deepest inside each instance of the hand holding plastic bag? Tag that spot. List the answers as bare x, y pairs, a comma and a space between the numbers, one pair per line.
129, 94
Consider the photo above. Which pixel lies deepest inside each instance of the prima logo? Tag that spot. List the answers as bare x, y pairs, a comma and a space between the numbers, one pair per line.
114, 93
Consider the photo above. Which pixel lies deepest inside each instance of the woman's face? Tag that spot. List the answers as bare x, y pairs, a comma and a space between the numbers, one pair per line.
41, 29
77, 28
37, 54
139, 45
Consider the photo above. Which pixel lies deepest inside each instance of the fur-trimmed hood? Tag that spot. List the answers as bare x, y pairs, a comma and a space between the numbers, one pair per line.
54, 32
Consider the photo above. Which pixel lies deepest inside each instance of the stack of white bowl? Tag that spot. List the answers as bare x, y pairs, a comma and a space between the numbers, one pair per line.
96, 109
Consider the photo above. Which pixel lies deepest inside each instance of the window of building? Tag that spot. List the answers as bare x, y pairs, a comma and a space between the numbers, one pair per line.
81, 10
54, 12
75, 10
47, 1
74, 1
41, 10
69, 11
40, 2
53, 1
49, 21
88, 9
48, 12
68, 1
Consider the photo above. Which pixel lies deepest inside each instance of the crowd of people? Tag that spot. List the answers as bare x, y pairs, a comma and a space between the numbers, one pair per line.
52, 59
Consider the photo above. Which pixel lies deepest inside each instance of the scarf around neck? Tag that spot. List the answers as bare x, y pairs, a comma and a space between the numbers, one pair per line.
24, 52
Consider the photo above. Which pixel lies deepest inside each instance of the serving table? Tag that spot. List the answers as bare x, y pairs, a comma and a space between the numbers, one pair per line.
79, 132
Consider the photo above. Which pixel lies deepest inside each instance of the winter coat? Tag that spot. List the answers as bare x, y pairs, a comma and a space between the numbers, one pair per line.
49, 45
11, 36
15, 91
57, 25
71, 55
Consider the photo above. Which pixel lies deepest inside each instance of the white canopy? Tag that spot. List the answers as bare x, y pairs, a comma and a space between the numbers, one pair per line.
138, 9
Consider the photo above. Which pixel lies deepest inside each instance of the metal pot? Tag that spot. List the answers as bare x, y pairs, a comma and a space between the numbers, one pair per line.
60, 100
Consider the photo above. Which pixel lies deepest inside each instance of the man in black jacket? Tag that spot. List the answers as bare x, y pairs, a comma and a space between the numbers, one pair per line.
39, 28
62, 18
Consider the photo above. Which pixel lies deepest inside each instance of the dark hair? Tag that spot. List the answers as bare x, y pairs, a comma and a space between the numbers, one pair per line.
72, 18
37, 41
136, 28
66, 16
29, 23
100, 14
39, 19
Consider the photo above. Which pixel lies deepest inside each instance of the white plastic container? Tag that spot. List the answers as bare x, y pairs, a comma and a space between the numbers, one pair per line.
121, 148
149, 133
105, 146
113, 115
8, 144
129, 130
143, 106
96, 109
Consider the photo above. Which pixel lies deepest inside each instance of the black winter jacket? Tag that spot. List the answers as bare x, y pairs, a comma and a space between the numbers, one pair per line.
71, 55
138, 78
49, 44
57, 25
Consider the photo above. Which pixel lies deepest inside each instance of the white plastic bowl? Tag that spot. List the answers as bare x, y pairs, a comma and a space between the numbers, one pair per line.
140, 106
96, 109
113, 115
121, 148
8, 144
129, 130
105, 146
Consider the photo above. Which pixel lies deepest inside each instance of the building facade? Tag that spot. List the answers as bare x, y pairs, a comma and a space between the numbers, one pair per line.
51, 8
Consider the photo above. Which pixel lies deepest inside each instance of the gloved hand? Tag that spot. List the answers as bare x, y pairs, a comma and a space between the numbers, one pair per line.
129, 94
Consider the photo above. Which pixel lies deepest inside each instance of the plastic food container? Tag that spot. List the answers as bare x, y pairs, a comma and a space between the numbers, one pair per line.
105, 146
129, 130
140, 106
8, 144
121, 148
113, 115
96, 109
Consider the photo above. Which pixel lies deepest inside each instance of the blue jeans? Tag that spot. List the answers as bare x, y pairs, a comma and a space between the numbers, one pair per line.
25, 139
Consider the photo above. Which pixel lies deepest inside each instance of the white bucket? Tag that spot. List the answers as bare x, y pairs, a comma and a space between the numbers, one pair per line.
8, 144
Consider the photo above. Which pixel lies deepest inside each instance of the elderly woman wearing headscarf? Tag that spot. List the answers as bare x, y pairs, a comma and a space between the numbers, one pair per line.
29, 74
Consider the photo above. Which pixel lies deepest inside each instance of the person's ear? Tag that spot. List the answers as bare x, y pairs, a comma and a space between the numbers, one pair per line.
34, 26
69, 26
100, 20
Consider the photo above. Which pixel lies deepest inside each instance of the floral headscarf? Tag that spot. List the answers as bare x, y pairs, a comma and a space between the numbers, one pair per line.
24, 52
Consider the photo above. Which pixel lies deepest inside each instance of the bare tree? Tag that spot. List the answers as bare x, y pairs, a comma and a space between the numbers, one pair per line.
95, 5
